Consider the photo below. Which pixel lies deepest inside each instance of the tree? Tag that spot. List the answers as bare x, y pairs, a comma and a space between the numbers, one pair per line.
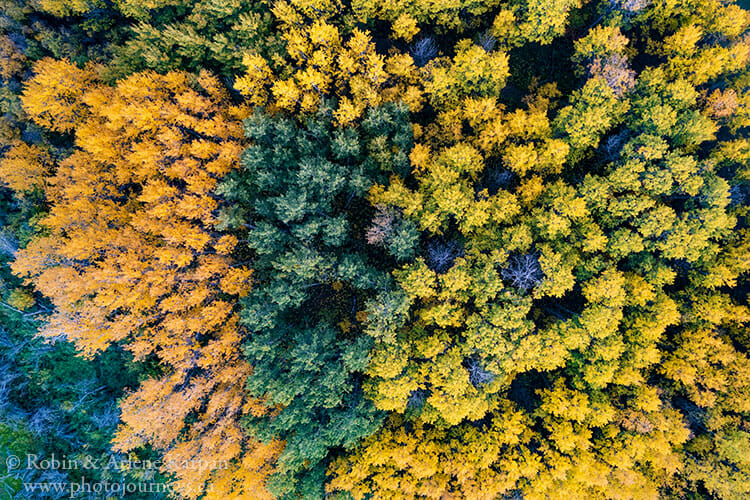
25, 167
428, 462
473, 71
193, 36
532, 21
131, 256
321, 64
456, 16
560, 281
298, 196
497, 250
51, 401
54, 97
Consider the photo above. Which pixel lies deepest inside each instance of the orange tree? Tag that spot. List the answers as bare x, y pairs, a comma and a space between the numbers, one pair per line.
129, 254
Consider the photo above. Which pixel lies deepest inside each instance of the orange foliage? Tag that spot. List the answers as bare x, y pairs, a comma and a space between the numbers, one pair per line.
12, 58
721, 104
131, 256
24, 167
53, 97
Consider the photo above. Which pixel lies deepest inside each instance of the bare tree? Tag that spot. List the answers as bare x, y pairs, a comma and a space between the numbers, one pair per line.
8, 244
8, 345
42, 420
380, 230
613, 145
22, 475
8, 374
106, 418
497, 178
630, 5
440, 255
85, 388
523, 271
417, 399
423, 51
738, 194
52, 477
478, 375
487, 41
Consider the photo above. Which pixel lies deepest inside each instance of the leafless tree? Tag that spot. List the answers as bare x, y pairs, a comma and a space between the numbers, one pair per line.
54, 476
42, 420
9, 347
85, 388
440, 255
8, 244
8, 379
613, 145
417, 399
423, 51
23, 475
487, 41
497, 178
106, 418
738, 194
382, 225
630, 5
523, 271
478, 375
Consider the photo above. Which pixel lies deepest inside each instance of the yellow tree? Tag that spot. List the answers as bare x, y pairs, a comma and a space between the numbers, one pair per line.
448, 15
478, 462
323, 62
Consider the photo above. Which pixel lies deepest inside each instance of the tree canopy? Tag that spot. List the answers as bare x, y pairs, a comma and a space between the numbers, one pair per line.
379, 249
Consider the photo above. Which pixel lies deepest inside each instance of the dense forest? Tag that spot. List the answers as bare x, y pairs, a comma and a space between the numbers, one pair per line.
375, 249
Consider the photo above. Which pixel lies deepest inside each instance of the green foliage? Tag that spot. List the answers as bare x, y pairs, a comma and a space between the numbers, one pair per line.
314, 375
297, 197
498, 250
191, 36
